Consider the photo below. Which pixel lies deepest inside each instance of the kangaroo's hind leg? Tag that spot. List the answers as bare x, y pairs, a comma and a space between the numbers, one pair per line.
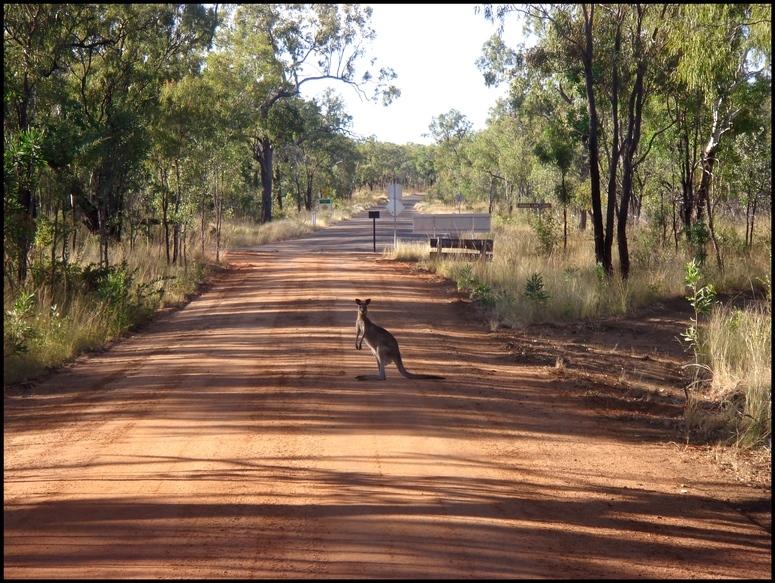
381, 362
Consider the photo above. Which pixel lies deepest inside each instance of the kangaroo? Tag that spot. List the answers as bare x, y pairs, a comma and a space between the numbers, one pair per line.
382, 343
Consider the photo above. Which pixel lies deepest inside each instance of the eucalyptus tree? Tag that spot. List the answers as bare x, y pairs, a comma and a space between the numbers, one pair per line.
498, 161
744, 178
423, 157
367, 170
449, 131
335, 151
381, 163
554, 148
564, 31
341, 173
553, 120
36, 41
314, 147
117, 80
104, 66
267, 52
22, 164
610, 51
183, 138
516, 136
485, 150
637, 73
393, 164
724, 67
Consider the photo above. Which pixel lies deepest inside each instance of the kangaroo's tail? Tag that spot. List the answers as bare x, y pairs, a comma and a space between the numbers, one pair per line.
411, 375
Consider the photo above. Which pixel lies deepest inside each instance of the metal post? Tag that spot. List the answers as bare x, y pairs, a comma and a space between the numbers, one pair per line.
394, 223
374, 215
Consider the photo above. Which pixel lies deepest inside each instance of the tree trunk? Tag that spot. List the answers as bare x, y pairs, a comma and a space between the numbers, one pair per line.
203, 224
164, 212
708, 161
712, 229
631, 141
263, 154
592, 138
279, 191
308, 193
218, 201
299, 195
613, 163
621, 226
176, 222
687, 166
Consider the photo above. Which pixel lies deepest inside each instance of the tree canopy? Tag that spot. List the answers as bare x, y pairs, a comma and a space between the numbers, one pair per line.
117, 115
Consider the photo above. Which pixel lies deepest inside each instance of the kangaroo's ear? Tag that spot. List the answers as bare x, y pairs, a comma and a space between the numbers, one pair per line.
367, 302
357, 301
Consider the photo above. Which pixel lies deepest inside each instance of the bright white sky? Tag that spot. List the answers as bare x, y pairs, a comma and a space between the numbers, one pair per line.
433, 49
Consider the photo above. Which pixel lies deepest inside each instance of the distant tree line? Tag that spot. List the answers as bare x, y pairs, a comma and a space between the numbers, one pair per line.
118, 117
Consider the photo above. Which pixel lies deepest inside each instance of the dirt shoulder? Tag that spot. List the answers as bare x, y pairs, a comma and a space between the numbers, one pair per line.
631, 369
231, 439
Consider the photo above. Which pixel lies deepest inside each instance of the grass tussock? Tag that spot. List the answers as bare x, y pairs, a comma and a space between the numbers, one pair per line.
407, 251
731, 396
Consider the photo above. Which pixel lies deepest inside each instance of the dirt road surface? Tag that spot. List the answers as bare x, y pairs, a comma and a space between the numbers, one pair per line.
231, 439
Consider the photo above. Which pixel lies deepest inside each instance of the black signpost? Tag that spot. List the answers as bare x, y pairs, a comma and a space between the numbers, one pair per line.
374, 215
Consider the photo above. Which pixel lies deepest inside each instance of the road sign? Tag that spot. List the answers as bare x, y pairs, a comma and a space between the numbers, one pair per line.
324, 204
395, 191
394, 207
534, 205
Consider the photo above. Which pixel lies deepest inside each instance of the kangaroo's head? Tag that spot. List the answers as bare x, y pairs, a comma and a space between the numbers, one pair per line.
363, 307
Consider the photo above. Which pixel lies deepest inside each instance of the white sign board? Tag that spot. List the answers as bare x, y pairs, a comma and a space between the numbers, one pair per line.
395, 191
452, 223
394, 207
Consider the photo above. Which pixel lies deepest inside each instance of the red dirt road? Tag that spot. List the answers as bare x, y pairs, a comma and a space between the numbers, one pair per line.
231, 439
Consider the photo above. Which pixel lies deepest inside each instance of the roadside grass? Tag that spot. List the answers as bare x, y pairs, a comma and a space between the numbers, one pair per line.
410, 251
574, 287
535, 278
730, 399
79, 307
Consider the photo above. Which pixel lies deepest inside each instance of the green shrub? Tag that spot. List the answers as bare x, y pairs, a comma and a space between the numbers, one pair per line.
18, 330
534, 290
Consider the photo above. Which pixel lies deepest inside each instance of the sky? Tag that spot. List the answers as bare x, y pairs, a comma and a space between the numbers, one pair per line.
433, 49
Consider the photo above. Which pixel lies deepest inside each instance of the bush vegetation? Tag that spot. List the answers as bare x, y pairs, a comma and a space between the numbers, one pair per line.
533, 280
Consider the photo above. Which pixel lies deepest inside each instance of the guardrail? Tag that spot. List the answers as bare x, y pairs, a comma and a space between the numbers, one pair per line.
452, 224
482, 247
